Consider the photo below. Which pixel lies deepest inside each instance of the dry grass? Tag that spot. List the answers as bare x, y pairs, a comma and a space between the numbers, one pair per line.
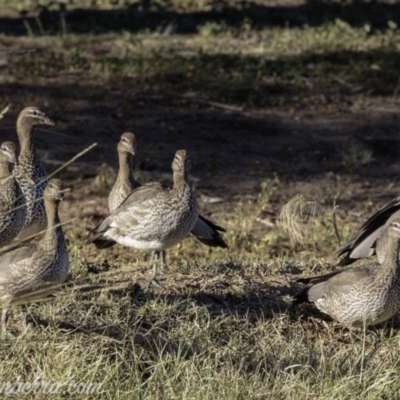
298, 216
223, 327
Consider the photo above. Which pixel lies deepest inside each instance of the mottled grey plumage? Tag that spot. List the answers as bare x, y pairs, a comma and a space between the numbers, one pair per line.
365, 240
367, 294
30, 172
12, 210
34, 264
204, 230
125, 182
152, 218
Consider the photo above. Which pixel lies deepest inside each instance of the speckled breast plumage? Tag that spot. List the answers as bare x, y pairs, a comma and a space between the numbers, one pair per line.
32, 179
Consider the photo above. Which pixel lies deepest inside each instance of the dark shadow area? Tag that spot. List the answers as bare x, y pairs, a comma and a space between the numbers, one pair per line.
258, 301
206, 113
153, 16
309, 79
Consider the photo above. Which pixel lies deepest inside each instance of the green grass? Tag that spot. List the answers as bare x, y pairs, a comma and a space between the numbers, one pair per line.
279, 67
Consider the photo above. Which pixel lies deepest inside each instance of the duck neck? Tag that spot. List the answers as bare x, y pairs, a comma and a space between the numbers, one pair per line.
25, 136
392, 254
180, 179
4, 170
125, 168
51, 207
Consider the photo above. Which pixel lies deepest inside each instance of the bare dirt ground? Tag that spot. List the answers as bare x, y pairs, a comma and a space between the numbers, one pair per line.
234, 146
233, 151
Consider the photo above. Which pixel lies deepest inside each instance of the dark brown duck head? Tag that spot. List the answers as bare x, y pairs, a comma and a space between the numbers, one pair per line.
394, 229
8, 152
31, 117
127, 144
181, 165
8, 158
54, 191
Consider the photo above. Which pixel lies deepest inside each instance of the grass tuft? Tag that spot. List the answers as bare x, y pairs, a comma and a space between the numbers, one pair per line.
297, 218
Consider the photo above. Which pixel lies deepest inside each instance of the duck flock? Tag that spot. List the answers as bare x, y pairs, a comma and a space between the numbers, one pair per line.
152, 218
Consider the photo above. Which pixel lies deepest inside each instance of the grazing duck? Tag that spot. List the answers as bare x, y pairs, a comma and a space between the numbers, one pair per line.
364, 243
29, 171
204, 230
34, 264
12, 210
365, 294
152, 218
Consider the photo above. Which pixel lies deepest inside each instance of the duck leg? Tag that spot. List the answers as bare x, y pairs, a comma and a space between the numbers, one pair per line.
23, 318
163, 262
156, 258
3, 322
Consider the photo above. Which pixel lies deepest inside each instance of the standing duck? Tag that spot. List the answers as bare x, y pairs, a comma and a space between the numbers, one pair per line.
153, 217
34, 264
30, 172
12, 210
204, 230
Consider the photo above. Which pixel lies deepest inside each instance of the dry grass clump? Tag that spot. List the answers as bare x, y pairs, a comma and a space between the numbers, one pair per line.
299, 218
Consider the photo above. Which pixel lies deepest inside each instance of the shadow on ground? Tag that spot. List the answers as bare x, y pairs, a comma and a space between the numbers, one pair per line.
233, 149
154, 16
241, 298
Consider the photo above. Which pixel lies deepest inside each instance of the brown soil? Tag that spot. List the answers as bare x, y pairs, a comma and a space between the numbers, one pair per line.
233, 151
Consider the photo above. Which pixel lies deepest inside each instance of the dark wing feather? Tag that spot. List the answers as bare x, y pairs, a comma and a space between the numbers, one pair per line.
101, 243
97, 233
301, 297
211, 224
374, 223
207, 232
320, 278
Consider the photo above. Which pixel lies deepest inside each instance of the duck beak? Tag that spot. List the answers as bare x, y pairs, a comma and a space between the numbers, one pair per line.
48, 121
14, 159
60, 196
132, 151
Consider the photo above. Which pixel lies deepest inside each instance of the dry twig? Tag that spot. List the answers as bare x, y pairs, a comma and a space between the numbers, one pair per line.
4, 111
334, 221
